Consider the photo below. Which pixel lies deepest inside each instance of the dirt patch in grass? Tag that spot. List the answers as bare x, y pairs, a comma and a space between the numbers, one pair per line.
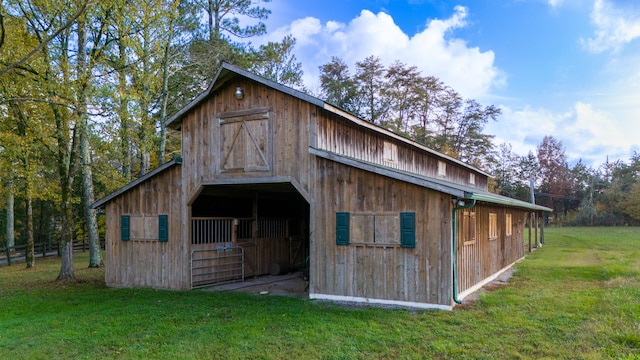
497, 283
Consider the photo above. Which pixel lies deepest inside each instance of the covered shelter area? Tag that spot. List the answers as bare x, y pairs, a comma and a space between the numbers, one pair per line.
247, 230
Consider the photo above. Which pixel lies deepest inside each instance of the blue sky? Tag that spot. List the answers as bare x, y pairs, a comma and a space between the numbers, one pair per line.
566, 68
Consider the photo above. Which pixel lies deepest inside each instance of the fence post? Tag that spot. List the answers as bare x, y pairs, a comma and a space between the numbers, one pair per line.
6, 244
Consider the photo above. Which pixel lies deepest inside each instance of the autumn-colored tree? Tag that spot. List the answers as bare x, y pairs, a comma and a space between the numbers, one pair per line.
554, 174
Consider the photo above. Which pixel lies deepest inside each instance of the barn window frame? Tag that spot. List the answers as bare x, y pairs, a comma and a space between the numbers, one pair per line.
390, 152
442, 168
493, 226
508, 221
469, 231
376, 229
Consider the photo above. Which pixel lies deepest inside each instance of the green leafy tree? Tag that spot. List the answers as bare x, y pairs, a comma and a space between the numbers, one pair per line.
275, 61
370, 82
338, 87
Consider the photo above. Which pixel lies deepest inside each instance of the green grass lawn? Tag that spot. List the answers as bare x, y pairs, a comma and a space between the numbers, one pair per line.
577, 297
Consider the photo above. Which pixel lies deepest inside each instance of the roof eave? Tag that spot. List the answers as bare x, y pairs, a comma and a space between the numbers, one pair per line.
503, 200
100, 203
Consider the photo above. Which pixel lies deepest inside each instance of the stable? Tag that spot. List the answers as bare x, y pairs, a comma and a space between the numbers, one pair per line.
272, 178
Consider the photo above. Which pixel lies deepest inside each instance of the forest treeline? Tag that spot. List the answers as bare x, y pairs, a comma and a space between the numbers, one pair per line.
86, 87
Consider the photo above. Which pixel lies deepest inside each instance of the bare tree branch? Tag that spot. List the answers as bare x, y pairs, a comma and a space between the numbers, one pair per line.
46, 41
50, 102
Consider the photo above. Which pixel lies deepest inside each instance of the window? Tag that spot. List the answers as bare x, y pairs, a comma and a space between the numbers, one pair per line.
468, 235
493, 226
139, 227
508, 227
371, 228
472, 179
390, 152
442, 168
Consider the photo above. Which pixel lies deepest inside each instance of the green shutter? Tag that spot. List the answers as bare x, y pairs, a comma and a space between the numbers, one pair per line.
163, 228
125, 227
342, 228
408, 230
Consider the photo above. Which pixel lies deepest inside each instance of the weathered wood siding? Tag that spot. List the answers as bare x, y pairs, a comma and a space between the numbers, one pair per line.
343, 137
143, 260
380, 271
480, 255
264, 135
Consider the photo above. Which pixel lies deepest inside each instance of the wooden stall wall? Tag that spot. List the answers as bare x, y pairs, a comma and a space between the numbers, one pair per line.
487, 242
143, 260
379, 271
264, 135
343, 137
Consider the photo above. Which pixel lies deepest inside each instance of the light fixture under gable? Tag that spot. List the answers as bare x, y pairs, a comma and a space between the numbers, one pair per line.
239, 93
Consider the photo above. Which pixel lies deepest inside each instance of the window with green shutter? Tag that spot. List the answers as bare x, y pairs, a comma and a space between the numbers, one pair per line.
163, 228
125, 227
408, 230
342, 228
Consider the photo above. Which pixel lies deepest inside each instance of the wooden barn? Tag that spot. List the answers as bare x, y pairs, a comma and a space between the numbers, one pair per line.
274, 178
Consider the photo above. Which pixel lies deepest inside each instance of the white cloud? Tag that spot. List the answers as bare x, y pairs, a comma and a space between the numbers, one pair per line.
587, 132
616, 25
524, 128
555, 3
434, 51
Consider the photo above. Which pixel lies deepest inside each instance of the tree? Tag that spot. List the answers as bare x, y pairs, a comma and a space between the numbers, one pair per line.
337, 86
53, 79
275, 61
223, 18
208, 49
400, 90
22, 133
42, 41
370, 83
554, 172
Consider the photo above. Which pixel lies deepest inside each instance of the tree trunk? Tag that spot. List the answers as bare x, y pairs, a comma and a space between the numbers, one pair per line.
10, 230
30, 252
147, 128
95, 258
123, 113
88, 198
165, 93
65, 171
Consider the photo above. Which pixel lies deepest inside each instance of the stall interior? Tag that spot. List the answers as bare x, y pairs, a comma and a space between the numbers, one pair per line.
242, 231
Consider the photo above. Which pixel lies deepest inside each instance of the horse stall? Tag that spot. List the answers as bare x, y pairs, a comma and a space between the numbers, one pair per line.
238, 232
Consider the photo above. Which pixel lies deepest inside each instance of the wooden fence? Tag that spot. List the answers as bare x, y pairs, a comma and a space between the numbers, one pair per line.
41, 249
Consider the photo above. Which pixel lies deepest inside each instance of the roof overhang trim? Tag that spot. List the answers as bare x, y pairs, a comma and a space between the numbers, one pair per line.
100, 203
434, 184
415, 179
503, 200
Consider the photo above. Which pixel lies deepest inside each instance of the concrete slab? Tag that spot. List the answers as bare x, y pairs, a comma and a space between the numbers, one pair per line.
291, 284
